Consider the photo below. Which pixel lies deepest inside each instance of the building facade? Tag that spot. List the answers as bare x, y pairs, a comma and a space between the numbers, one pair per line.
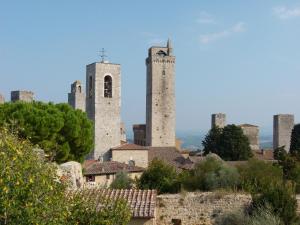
103, 106
160, 97
252, 133
139, 134
25, 96
76, 98
283, 125
218, 120
2, 99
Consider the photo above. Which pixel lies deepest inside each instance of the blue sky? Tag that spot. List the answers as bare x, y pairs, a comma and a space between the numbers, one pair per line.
237, 57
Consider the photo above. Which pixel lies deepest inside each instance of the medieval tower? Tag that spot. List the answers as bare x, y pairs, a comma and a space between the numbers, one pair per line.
160, 98
76, 98
103, 105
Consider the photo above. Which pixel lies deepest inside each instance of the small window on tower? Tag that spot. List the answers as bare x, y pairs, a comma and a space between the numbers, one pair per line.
90, 86
163, 72
107, 87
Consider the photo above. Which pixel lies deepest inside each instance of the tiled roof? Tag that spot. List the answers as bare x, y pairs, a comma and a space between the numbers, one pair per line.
247, 125
109, 167
130, 146
142, 202
171, 156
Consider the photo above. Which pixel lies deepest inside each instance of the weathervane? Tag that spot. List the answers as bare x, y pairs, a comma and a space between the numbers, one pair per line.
102, 52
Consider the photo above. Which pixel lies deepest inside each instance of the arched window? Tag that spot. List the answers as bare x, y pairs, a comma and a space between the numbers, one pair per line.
107, 86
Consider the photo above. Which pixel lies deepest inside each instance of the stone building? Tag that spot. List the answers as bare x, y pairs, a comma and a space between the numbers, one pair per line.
2, 99
283, 125
131, 154
102, 174
76, 98
139, 133
25, 96
218, 120
160, 98
252, 133
103, 105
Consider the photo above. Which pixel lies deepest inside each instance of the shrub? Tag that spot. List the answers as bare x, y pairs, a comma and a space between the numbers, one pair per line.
210, 175
122, 181
160, 176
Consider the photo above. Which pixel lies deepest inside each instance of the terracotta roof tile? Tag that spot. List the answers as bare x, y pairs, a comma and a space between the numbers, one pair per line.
142, 202
109, 167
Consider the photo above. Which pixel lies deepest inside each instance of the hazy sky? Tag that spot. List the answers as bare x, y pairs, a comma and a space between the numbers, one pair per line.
237, 57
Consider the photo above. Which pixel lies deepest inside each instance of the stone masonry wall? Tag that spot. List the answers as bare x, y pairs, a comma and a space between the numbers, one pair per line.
140, 157
218, 120
198, 208
282, 129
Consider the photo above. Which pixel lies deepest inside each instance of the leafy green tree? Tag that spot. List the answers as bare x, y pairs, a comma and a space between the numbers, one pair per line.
29, 189
210, 175
31, 192
280, 153
64, 133
295, 141
212, 140
160, 176
229, 143
122, 181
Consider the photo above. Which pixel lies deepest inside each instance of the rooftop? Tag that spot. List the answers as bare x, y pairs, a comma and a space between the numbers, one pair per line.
130, 146
108, 167
142, 202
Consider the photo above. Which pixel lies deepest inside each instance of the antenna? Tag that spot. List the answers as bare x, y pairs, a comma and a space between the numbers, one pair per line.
102, 52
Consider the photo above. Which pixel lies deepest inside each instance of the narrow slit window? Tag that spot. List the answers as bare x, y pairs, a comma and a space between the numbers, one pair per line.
90, 86
107, 87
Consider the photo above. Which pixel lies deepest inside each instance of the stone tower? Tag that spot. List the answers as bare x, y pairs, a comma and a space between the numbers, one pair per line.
103, 105
77, 97
283, 125
2, 99
219, 120
160, 99
25, 96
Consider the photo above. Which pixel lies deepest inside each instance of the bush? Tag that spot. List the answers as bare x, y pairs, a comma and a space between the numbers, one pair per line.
295, 141
122, 181
229, 143
281, 199
256, 176
211, 174
160, 176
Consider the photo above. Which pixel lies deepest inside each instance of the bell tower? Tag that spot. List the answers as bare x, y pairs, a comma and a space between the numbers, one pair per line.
160, 99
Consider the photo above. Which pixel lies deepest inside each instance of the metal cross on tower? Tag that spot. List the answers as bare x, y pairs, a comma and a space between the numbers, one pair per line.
102, 52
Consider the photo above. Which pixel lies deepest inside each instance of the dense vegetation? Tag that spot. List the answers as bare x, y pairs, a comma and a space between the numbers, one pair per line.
122, 181
62, 132
229, 143
31, 192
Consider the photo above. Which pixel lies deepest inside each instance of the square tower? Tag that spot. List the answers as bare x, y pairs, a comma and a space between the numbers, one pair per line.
160, 99
218, 120
25, 96
2, 99
77, 97
103, 105
283, 125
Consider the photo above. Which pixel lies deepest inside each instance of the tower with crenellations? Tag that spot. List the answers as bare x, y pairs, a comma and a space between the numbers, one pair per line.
160, 98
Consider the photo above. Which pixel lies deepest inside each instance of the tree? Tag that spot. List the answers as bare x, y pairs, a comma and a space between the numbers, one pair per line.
295, 141
62, 132
31, 192
229, 143
122, 181
160, 176
212, 140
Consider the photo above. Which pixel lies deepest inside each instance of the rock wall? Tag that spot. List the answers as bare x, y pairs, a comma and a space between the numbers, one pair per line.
197, 208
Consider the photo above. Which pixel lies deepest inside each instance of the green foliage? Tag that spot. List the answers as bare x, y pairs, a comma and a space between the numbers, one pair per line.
84, 211
229, 143
281, 199
64, 133
210, 175
280, 153
257, 176
29, 189
122, 181
295, 141
160, 176
31, 193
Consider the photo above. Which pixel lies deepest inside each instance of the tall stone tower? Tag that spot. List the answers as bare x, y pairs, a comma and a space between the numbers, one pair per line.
160, 99
283, 125
103, 106
77, 97
218, 120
